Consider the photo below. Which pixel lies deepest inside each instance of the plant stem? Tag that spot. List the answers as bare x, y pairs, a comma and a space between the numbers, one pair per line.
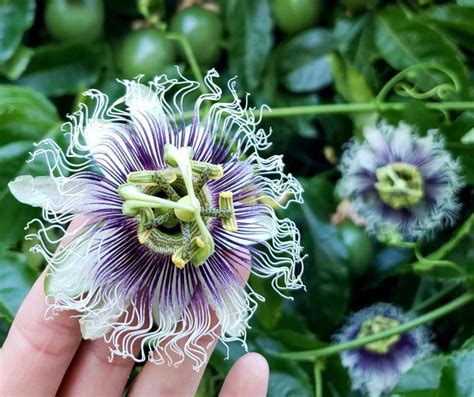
311, 355
432, 299
293, 111
188, 53
318, 379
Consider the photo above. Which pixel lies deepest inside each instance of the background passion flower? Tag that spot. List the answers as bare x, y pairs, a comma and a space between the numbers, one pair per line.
172, 217
376, 367
401, 183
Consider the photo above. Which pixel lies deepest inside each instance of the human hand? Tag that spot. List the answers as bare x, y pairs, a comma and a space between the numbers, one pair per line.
46, 358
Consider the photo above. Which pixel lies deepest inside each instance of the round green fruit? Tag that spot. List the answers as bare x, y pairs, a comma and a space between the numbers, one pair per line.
360, 247
147, 52
293, 16
74, 21
203, 29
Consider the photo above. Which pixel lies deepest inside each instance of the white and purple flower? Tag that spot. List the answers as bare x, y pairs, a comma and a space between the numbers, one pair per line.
401, 183
172, 218
376, 367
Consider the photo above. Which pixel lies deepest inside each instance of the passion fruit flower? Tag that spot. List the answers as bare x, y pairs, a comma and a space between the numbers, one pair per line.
376, 368
173, 217
401, 183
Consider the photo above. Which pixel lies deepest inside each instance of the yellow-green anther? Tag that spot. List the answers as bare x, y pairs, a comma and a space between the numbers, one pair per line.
226, 203
213, 171
202, 179
216, 213
165, 186
146, 215
160, 220
150, 177
374, 326
192, 252
400, 185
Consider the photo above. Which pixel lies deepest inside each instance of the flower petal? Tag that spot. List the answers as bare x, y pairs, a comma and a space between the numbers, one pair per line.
61, 195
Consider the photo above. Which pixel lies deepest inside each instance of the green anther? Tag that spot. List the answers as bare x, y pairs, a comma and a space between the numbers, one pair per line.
216, 213
202, 179
400, 185
160, 220
144, 232
193, 252
149, 177
375, 325
213, 171
164, 185
226, 203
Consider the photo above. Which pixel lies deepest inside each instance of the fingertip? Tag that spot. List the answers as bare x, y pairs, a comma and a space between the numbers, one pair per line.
248, 376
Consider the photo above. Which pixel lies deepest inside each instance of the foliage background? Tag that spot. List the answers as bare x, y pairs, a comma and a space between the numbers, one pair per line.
345, 57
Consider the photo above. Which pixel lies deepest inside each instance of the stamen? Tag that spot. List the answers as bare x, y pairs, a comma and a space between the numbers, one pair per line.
400, 185
215, 171
149, 177
226, 203
202, 179
164, 185
195, 253
159, 220
143, 231
216, 213
375, 325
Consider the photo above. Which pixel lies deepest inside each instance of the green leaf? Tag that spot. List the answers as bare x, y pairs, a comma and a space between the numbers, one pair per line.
16, 65
455, 20
285, 385
304, 63
26, 116
268, 312
423, 378
16, 16
403, 41
457, 379
250, 28
326, 273
16, 279
356, 41
63, 69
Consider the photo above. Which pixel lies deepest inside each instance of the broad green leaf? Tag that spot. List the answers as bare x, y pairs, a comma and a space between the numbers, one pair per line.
16, 65
250, 28
26, 116
356, 41
63, 69
423, 378
282, 384
16, 278
459, 380
455, 20
326, 273
16, 16
268, 312
304, 63
403, 41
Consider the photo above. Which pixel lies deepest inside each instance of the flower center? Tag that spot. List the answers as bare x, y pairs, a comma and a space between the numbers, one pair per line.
375, 325
400, 185
174, 207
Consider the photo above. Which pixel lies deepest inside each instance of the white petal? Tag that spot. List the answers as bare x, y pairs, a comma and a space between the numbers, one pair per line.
99, 321
61, 195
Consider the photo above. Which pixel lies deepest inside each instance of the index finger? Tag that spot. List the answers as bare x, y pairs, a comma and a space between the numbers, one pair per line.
37, 352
